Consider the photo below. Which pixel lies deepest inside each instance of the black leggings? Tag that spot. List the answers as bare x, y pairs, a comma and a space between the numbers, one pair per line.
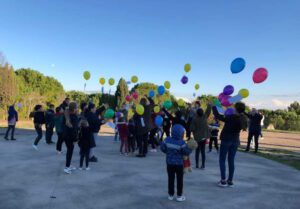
200, 148
215, 141
250, 136
172, 171
84, 154
39, 131
153, 141
59, 142
70, 148
131, 144
143, 144
12, 128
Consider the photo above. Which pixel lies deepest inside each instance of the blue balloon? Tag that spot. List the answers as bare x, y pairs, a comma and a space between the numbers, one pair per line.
237, 65
158, 120
151, 93
161, 90
229, 111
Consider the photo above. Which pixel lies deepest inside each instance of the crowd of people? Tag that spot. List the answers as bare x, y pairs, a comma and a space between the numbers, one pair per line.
81, 125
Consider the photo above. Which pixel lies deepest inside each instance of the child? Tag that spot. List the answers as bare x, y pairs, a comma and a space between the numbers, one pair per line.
12, 120
123, 131
214, 131
38, 120
49, 119
58, 121
131, 136
192, 144
175, 148
84, 143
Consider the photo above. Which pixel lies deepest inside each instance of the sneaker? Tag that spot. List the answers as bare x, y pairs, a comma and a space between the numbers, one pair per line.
6, 138
35, 147
80, 168
202, 167
222, 184
67, 170
171, 198
93, 159
88, 168
72, 168
51, 142
153, 150
58, 152
139, 155
180, 199
126, 154
230, 184
13, 139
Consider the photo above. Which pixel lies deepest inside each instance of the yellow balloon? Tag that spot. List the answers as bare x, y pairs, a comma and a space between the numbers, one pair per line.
180, 103
134, 79
140, 109
111, 81
244, 93
187, 68
86, 75
102, 81
167, 84
197, 86
156, 109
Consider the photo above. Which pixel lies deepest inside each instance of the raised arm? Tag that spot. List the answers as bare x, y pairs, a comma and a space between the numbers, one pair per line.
208, 110
217, 114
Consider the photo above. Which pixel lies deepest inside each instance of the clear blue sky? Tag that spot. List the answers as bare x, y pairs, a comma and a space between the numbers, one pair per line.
154, 39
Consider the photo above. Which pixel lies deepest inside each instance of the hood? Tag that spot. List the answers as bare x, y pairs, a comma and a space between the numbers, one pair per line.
177, 131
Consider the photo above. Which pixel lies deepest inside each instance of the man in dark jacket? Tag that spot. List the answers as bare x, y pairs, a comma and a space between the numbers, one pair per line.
65, 103
49, 118
254, 128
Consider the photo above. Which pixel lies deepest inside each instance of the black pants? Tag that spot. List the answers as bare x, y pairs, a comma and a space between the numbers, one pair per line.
12, 128
84, 154
166, 131
70, 148
143, 144
200, 148
59, 142
188, 131
49, 133
172, 171
39, 131
153, 141
250, 136
215, 141
131, 144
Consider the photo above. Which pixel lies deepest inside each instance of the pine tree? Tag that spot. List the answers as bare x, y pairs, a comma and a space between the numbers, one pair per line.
122, 91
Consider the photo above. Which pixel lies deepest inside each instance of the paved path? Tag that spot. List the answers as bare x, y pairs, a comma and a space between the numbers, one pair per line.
29, 178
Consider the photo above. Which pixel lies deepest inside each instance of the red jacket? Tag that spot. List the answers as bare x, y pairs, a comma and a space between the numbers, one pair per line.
123, 130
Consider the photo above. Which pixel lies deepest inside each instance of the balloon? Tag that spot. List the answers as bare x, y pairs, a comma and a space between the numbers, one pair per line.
156, 109
197, 86
235, 99
187, 68
118, 114
140, 109
184, 79
237, 65
158, 120
151, 93
220, 110
127, 98
128, 82
134, 79
229, 111
221, 96
111, 81
135, 95
244, 93
194, 94
161, 90
228, 90
167, 85
20, 105
109, 113
167, 104
102, 81
180, 102
260, 75
216, 102
225, 101
86, 75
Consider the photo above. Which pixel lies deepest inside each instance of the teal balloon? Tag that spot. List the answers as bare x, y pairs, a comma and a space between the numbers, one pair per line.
109, 113
168, 104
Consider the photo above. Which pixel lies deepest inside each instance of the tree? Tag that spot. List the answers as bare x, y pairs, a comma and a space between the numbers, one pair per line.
122, 91
77, 96
294, 107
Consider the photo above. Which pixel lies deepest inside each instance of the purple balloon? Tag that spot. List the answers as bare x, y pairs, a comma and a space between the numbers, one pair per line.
229, 111
118, 114
184, 79
225, 101
221, 96
228, 90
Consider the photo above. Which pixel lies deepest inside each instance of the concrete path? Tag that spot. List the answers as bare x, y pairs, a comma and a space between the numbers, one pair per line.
32, 179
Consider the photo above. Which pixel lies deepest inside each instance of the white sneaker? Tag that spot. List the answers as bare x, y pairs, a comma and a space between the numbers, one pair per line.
171, 198
153, 150
180, 199
88, 168
80, 168
67, 170
59, 152
72, 168
35, 147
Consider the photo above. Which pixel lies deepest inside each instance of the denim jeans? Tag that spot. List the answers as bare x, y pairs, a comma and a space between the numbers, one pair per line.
227, 148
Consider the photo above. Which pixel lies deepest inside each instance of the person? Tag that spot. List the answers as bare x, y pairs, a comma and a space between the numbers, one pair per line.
70, 133
230, 140
200, 130
175, 148
38, 120
214, 132
142, 125
166, 126
254, 128
95, 123
123, 131
65, 103
11, 120
152, 135
262, 124
124, 111
131, 136
191, 112
178, 119
85, 135
58, 123
49, 119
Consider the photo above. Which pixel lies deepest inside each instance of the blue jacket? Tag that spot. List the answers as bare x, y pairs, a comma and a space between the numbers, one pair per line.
175, 147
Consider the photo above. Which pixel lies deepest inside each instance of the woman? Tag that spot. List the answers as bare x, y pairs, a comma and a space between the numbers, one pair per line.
230, 139
12, 120
38, 120
199, 128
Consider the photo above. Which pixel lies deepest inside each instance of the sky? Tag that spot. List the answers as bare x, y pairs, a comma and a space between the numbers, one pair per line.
154, 39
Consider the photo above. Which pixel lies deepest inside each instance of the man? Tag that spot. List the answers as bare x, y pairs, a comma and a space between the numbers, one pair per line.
49, 118
65, 103
254, 128
191, 114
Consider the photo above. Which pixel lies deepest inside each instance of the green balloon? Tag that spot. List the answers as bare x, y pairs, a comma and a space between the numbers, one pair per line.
109, 113
216, 102
168, 104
